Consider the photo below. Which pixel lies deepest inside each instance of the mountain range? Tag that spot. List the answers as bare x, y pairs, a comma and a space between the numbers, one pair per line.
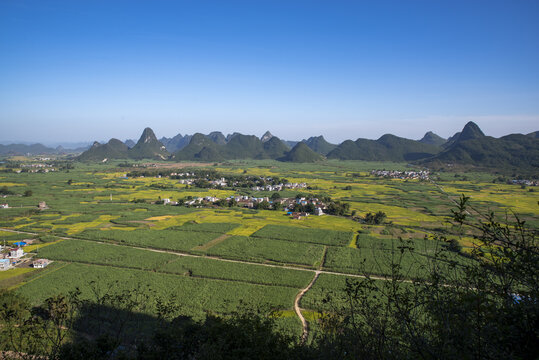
37, 149
147, 147
467, 147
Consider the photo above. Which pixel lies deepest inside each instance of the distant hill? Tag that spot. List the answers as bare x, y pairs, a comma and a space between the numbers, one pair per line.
319, 144
22, 149
238, 146
301, 153
198, 142
290, 143
432, 139
267, 135
230, 136
386, 148
130, 143
208, 154
176, 143
472, 147
148, 147
467, 147
244, 147
114, 149
217, 137
275, 148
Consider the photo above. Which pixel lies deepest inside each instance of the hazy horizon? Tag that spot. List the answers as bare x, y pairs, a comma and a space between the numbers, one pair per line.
74, 144
81, 71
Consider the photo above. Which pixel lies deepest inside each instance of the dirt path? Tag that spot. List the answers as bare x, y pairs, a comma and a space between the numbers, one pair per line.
212, 243
448, 196
179, 253
297, 309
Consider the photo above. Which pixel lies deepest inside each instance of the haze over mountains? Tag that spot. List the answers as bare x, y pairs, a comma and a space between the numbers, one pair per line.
469, 146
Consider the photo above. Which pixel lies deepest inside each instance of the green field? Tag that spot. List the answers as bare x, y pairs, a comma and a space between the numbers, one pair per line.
214, 259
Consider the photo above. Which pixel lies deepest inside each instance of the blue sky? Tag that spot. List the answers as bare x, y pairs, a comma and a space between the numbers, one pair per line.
96, 69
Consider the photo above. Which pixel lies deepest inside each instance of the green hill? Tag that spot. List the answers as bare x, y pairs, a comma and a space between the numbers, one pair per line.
148, 147
275, 148
198, 142
208, 154
239, 146
472, 147
319, 144
175, 143
301, 153
114, 149
432, 139
244, 147
217, 137
266, 137
386, 148
22, 149
130, 143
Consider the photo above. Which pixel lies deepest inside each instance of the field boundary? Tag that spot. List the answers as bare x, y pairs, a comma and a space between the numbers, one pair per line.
179, 253
212, 243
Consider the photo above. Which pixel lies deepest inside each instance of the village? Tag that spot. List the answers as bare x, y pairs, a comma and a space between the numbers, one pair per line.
297, 208
525, 182
404, 175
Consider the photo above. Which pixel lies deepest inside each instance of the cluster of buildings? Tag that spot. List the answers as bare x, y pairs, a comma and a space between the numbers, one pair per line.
420, 175
526, 182
35, 168
188, 178
280, 187
287, 204
11, 256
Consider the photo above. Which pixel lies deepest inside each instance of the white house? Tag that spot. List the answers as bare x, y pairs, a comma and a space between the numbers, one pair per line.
40, 263
4, 206
16, 253
318, 211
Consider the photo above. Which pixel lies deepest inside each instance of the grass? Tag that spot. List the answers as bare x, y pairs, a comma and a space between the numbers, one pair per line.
195, 295
238, 272
105, 254
316, 236
268, 250
156, 239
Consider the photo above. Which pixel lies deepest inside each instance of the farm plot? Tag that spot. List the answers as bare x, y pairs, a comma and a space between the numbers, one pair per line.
316, 236
378, 261
157, 239
262, 250
219, 228
105, 254
332, 287
257, 274
195, 294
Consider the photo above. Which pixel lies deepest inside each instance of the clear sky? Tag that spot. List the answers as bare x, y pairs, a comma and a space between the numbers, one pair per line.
94, 69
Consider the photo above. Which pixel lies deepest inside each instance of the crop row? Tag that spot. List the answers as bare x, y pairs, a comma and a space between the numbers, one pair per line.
124, 256
195, 295
317, 236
